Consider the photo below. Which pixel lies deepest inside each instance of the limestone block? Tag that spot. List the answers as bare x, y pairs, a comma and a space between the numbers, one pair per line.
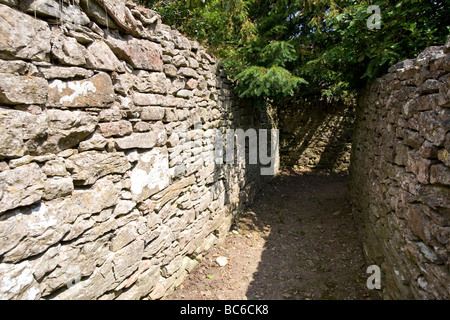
22, 36
57, 187
93, 92
21, 187
98, 14
53, 72
17, 137
94, 142
124, 236
99, 56
55, 167
151, 82
67, 50
153, 113
17, 282
88, 167
22, 89
148, 99
140, 53
71, 14
188, 72
115, 129
18, 67
66, 129
151, 174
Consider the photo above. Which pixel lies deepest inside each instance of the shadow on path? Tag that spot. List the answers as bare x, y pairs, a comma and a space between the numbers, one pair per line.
296, 241
312, 250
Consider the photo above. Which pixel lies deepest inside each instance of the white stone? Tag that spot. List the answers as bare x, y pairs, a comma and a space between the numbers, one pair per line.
222, 261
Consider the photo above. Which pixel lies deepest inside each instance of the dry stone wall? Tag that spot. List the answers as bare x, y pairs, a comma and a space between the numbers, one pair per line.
107, 125
316, 134
400, 176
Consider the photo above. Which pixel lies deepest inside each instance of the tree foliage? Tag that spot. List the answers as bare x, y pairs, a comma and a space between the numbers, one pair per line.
281, 48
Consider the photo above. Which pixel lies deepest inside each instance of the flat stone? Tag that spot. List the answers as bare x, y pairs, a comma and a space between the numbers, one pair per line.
57, 72
93, 92
71, 14
188, 72
66, 129
222, 261
18, 67
140, 53
151, 82
87, 167
153, 113
67, 50
18, 282
22, 89
55, 167
115, 129
30, 39
22, 186
17, 137
124, 236
99, 56
145, 140
150, 175
185, 94
97, 14
57, 187
94, 142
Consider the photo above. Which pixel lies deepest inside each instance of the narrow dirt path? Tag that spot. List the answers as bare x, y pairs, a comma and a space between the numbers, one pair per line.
297, 241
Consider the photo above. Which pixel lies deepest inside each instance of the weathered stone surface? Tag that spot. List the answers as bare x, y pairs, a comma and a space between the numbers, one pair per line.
188, 72
140, 53
67, 50
120, 14
22, 89
16, 136
55, 167
440, 174
98, 14
71, 14
99, 56
93, 92
170, 70
87, 220
148, 99
94, 142
65, 130
401, 209
56, 72
137, 141
17, 282
18, 67
30, 39
124, 236
115, 129
150, 175
87, 167
153, 113
57, 187
154, 82
22, 186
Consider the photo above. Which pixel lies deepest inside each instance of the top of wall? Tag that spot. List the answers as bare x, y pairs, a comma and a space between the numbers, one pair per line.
86, 20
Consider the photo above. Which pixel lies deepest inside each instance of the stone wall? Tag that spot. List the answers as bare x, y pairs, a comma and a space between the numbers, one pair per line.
107, 124
400, 176
316, 134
